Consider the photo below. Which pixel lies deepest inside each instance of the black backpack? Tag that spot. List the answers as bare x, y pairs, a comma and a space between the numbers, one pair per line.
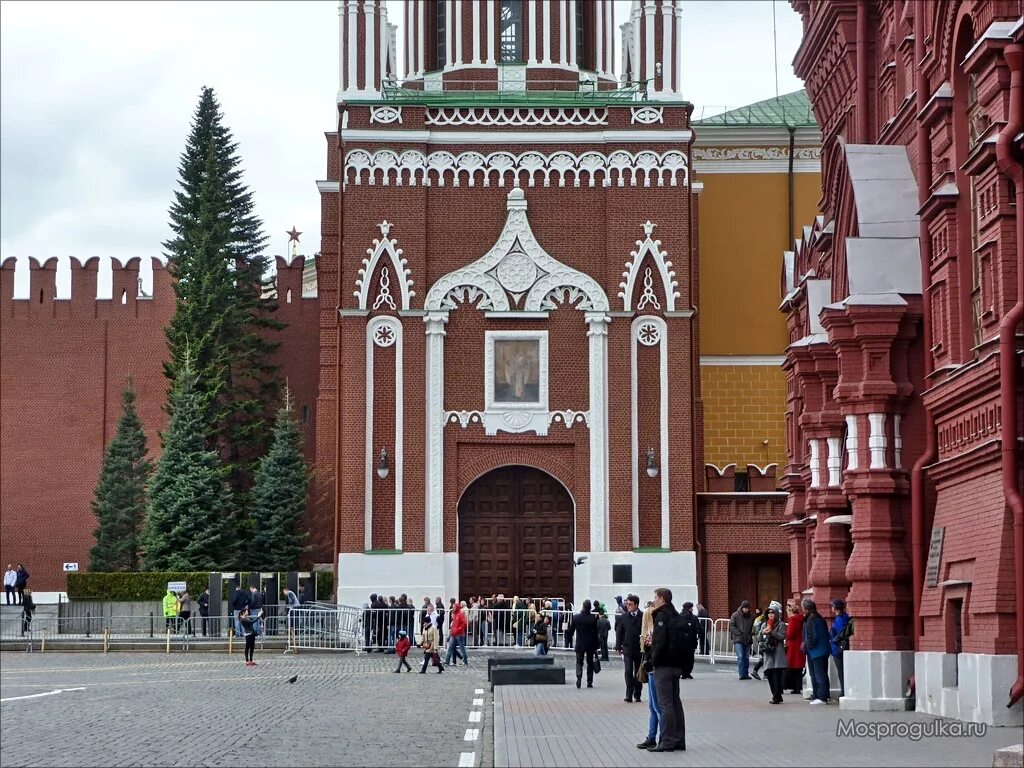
682, 634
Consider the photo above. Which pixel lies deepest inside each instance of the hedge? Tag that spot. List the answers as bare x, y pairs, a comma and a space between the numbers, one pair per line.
132, 587
325, 586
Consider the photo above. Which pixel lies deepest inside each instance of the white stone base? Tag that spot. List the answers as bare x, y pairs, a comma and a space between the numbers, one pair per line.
417, 574
675, 570
876, 681
978, 694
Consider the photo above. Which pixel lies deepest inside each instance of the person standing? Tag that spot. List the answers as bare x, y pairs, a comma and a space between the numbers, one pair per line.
439, 621
256, 612
249, 631
629, 647
654, 730
703, 620
402, 647
239, 602
10, 579
430, 643
690, 628
457, 638
185, 612
839, 638
28, 607
21, 582
170, 608
541, 633
667, 643
204, 609
795, 658
773, 632
604, 628
584, 629
741, 633
816, 646
759, 621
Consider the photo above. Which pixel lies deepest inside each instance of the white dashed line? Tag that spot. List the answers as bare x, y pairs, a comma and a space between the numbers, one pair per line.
478, 702
474, 717
472, 734
467, 760
478, 691
38, 695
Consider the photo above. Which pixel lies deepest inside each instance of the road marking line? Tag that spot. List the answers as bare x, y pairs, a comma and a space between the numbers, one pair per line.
478, 702
38, 695
467, 760
472, 734
478, 691
474, 717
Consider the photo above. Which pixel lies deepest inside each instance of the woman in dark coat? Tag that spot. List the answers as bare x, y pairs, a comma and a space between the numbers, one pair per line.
795, 658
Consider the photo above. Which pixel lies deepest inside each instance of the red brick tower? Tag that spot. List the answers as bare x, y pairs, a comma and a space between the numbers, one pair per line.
508, 396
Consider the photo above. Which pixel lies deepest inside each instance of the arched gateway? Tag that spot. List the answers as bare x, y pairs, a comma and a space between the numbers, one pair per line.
516, 535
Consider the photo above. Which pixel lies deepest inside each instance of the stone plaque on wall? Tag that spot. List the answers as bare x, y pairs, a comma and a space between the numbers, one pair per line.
931, 572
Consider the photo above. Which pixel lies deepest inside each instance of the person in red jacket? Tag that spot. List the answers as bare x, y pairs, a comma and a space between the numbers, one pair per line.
457, 637
402, 646
795, 658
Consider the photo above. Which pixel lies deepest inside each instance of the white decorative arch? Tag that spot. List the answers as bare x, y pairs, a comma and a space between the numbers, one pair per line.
517, 266
381, 248
668, 276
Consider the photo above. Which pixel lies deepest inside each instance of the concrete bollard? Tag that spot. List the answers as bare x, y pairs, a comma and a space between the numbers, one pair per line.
42, 646
106, 639
168, 648
231, 638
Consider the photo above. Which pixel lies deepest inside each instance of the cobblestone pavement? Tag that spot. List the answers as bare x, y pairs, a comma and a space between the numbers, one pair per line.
728, 722
152, 709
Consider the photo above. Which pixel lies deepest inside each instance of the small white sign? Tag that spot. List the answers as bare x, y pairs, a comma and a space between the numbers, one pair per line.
70, 566
176, 586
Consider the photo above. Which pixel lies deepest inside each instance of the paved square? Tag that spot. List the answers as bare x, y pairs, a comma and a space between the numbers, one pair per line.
152, 709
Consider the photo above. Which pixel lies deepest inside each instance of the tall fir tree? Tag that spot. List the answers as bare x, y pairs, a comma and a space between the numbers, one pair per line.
279, 499
188, 526
119, 500
217, 256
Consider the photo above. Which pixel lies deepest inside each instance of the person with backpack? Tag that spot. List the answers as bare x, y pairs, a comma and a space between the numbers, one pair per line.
584, 629
773, 650
691, 630
816, 646
668, 641
741, 631
839, 638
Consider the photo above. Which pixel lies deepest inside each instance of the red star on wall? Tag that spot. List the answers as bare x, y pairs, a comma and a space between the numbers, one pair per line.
293, 235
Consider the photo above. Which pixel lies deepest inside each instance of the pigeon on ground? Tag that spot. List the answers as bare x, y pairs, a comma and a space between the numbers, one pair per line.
293, 678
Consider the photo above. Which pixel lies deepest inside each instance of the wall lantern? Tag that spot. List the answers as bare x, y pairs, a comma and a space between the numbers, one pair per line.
383, 469
652, 463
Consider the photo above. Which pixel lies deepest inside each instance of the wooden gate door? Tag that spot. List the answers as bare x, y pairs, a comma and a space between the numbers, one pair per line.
516, 535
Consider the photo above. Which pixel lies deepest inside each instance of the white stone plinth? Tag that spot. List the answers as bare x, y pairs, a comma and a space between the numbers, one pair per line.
417, 574
973, 687
675, 570
876, 681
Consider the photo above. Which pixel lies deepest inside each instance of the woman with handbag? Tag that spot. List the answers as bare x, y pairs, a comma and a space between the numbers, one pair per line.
540, 635
773, 651
646, 672
430, 643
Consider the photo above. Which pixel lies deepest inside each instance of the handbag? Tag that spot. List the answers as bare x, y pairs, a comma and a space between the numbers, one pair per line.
435, 659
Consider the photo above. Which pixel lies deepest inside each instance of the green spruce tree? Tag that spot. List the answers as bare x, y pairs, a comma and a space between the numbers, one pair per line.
188, 527
119, 501
217, 256
279, 499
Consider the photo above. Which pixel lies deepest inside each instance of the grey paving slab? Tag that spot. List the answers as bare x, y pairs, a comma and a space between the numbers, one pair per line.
210, 710
729, 722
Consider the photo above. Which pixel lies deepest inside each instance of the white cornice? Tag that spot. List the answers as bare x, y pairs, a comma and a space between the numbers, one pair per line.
517, 137
755, 166
328, 186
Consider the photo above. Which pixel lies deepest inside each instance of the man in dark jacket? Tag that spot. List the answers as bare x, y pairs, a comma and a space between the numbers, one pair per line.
702, 634
667, 657
21, 582
584, 630
627, 645
256, 609
204, 608
239, 602
817, 648
690, 627
741, 633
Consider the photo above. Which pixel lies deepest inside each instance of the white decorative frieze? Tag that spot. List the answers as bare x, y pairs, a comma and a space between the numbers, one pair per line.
647, 115
384, 248
619, 168
517, 422
755, 153
516, 116
386, 115
668, 276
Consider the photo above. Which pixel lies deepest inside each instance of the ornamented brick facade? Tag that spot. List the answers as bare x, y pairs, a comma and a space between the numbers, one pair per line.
903, 299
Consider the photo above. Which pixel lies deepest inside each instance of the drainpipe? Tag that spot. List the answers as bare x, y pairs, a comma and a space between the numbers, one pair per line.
792, 149
1009, 366
862, 72
697, 472
917, 474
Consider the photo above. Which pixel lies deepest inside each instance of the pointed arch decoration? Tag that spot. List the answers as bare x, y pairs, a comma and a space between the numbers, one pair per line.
385, 247
668, 276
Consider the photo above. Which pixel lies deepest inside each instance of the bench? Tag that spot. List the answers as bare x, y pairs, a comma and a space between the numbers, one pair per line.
512, 661
527, 674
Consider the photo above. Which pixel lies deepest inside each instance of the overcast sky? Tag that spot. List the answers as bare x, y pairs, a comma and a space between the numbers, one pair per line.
96, 99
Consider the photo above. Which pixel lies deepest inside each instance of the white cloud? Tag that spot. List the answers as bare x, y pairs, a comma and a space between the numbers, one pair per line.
96, 100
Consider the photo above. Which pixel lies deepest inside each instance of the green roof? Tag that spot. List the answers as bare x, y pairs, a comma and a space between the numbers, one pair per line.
788, 110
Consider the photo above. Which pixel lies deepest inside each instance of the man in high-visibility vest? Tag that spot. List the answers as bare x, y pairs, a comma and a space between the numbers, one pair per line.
170, 608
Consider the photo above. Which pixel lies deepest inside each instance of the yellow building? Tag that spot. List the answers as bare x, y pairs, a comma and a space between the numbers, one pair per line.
761, 171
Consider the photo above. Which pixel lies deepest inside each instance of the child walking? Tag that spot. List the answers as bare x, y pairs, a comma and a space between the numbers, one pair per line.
246, 620
430, 641
402, 647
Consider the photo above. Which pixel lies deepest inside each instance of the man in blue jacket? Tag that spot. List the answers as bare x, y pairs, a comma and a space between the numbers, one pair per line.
817, 648
839, 638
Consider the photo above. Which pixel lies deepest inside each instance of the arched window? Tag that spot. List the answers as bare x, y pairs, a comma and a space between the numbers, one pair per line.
511, 30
